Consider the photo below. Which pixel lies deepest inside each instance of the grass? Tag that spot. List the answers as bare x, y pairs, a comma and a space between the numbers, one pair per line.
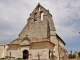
20, 59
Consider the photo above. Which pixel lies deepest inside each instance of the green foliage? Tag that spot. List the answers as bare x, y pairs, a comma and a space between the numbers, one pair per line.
20, 59
71, 56
74, 55
79, 54
3, 58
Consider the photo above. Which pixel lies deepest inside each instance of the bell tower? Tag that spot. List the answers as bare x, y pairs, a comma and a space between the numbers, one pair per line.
39, 24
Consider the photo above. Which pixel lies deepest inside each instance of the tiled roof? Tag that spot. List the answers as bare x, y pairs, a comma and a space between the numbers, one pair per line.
38, 40
32, 40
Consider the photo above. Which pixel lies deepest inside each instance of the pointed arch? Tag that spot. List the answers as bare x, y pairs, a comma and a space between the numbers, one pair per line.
35, 15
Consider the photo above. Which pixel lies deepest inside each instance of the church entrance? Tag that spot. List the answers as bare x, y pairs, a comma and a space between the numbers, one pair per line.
25, 54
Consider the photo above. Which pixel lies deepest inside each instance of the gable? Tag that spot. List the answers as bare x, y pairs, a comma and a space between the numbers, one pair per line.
39, 9
25, 42
39, 18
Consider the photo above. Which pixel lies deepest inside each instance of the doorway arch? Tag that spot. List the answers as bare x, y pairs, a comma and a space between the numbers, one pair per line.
25, 54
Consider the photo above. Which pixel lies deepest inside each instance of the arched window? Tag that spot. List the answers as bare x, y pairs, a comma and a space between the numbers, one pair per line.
42, 16
25, 54
35, 20
35, 15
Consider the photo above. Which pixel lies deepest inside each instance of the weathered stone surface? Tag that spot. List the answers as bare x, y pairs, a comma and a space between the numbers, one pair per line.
38, 38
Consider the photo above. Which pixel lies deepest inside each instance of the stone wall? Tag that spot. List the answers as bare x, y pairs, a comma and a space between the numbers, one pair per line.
17, 53
55, 41
3, 50
36, 27
41, 27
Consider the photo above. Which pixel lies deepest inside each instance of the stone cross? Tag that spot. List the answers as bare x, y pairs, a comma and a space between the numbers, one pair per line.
38, 56
52, 55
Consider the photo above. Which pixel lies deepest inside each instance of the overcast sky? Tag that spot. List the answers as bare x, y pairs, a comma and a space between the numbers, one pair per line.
66, 17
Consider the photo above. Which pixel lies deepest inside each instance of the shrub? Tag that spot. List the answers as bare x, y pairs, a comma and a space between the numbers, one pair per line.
74, 55
79, 54
20, 59
3, 58
70, 56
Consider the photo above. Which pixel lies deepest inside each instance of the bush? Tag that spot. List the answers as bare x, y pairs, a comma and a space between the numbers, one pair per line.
74, 55
3, 58
79, 54
71, 56
20, 59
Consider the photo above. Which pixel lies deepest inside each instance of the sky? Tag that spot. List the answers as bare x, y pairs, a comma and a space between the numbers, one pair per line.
66, 17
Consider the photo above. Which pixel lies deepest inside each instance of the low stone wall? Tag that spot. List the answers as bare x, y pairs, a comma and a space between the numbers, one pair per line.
75, 58
72, 59
8, 59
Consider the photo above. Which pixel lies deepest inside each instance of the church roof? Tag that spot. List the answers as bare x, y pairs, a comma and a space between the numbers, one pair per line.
27, 29
37, 40
32, 40
60, 39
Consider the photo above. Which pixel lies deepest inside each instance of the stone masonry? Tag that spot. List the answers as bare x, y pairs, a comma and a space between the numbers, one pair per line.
38, 39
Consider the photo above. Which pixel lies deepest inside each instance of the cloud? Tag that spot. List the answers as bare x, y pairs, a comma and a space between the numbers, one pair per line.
66, 18
14, 15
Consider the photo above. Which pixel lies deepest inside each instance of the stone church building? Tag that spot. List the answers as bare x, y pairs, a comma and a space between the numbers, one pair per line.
38, 39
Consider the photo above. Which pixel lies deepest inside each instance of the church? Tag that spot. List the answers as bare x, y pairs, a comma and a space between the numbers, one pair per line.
38, 40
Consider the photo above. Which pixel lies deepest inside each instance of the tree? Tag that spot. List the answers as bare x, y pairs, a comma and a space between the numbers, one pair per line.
70, 56
74, 55
79, 54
